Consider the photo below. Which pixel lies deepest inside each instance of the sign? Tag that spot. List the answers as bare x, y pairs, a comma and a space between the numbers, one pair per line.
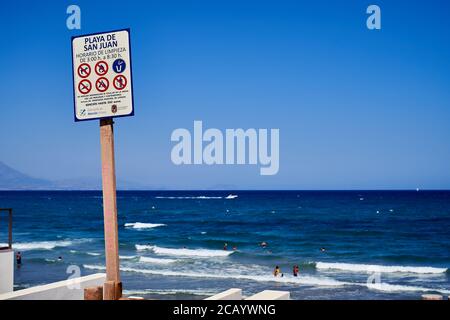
102, 76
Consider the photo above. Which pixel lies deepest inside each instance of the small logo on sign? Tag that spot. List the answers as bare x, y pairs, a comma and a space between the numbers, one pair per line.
119, 66
114, 108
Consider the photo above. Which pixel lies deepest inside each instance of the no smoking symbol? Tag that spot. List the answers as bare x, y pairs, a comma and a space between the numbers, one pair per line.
102, 84
84, 70
101, 68
84, 86
120, 82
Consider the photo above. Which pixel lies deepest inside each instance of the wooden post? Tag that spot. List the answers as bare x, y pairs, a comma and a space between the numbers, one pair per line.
432, 297
93, 293
113, 287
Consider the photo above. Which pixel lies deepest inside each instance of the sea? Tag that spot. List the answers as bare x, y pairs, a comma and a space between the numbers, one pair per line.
347, 244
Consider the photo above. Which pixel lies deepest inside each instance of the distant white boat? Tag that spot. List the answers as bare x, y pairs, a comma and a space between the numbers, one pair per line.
231, 196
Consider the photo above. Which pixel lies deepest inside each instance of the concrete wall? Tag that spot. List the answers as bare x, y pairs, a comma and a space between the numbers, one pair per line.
72, 289
271, 295
230, 294
6, 271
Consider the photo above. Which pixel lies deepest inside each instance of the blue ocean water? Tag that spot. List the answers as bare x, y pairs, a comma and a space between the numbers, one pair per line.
378, 244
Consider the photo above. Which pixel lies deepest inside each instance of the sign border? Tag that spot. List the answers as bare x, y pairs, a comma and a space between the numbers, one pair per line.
131, 76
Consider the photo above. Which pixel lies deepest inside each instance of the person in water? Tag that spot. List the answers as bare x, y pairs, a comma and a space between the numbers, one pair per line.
323, 249
18, 259
277, 272
225, 246
263, 244
295, 271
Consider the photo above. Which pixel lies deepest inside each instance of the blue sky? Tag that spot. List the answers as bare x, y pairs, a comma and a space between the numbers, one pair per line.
355, 108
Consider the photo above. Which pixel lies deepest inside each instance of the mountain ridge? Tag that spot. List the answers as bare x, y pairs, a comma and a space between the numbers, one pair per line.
15, 180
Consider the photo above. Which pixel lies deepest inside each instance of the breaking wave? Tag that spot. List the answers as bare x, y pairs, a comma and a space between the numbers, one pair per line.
196, 292
41, 245
196, 197
302, 280
127, 257
378, 268
156, 260
93, 254
141, 225
184, 252
305, 280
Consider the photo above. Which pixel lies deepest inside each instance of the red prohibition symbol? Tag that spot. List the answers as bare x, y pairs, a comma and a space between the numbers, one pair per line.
84, 70
101, 68
84, 86
120, 82
102, 84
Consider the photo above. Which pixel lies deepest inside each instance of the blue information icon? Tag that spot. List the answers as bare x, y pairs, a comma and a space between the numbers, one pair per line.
119, 66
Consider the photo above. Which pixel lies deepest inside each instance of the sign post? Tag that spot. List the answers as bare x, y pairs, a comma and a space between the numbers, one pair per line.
103, 90
112, 289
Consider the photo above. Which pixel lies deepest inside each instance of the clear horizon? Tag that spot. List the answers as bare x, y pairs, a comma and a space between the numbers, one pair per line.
357, 109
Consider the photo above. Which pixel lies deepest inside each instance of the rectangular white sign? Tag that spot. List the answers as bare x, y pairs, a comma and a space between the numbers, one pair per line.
102, 80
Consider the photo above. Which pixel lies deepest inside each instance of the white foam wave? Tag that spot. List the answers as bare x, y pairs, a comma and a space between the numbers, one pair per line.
231, 196
41, 245
184, 252
93, 267
198, 197
126, 257
304, 280
156, 260
378, 268
301, 280
93, 253
387, 287
141, 225
198, 292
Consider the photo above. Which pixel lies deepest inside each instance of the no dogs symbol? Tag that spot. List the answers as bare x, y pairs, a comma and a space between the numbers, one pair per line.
84, 70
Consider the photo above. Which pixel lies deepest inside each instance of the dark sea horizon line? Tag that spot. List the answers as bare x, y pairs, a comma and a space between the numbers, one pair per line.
228, 190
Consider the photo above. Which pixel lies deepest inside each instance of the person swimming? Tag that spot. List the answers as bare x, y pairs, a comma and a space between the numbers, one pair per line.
263, 244
18, 259
225, 246
295, 271
323, 249
277, 272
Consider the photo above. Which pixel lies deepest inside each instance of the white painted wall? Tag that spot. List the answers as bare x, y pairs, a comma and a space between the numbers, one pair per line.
72, 289
230, 294
271, 295
6, 271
